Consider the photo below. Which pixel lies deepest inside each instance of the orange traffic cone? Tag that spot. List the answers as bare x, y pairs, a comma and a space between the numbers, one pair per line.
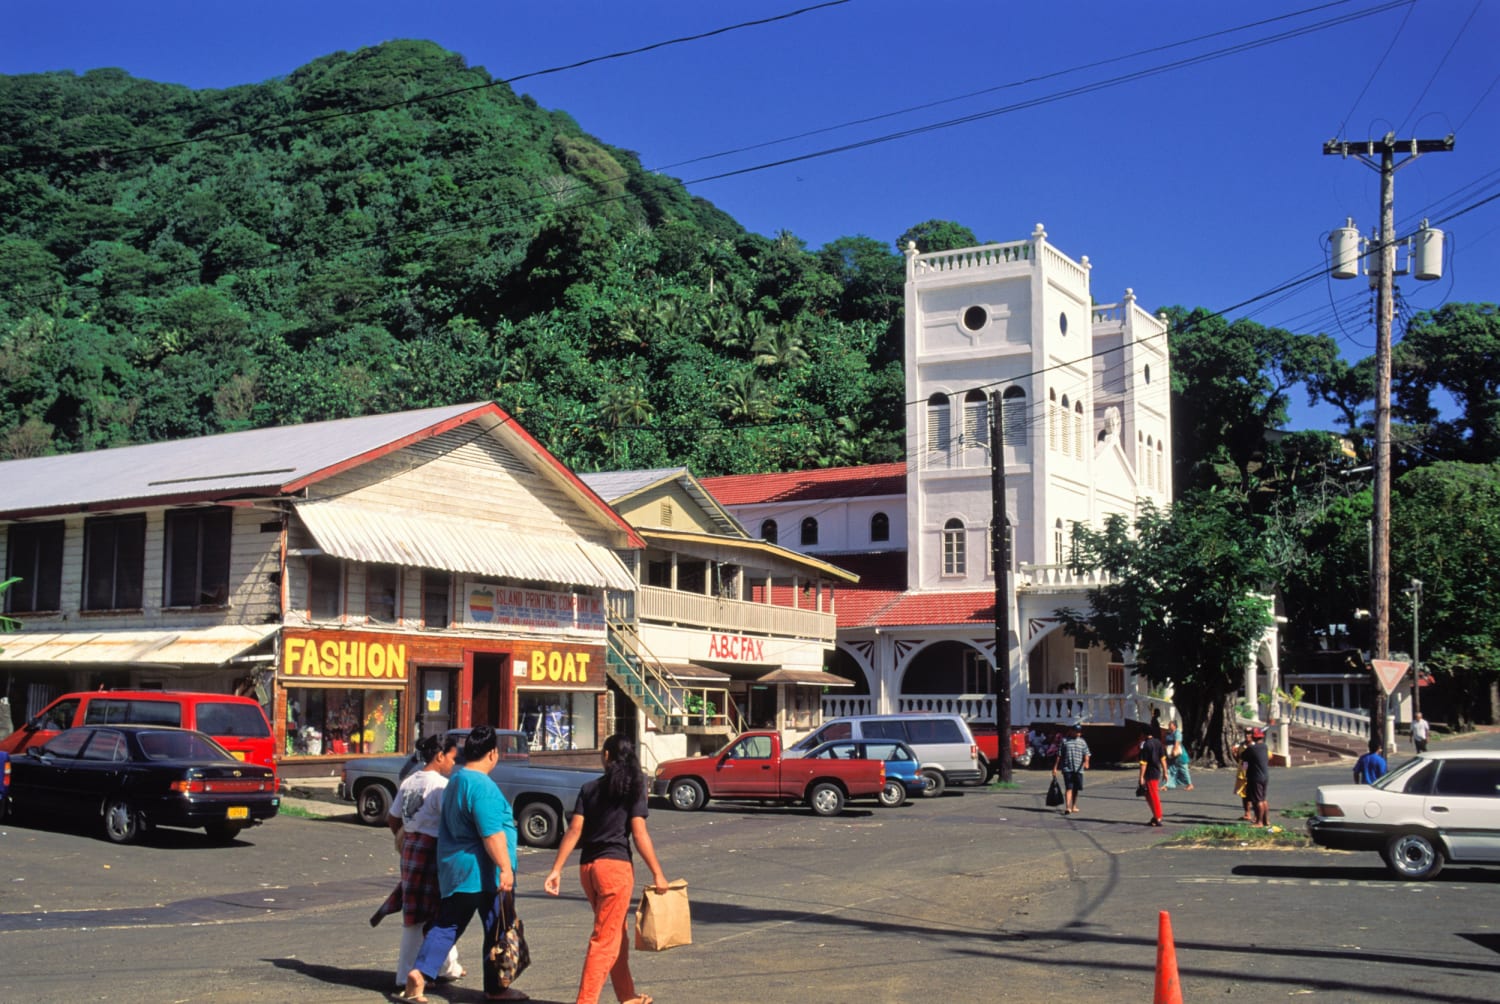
1168, 990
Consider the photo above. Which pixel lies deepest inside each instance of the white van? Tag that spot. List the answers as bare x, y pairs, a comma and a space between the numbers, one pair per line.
943, 743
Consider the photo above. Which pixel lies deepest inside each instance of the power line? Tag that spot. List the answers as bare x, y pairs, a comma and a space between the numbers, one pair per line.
307, 120
1376, 71
999, 87
1439, 68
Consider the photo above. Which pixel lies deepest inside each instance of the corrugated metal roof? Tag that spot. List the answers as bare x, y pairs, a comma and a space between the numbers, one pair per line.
258, 460
616, 486
611, 485
399, 537
207, 646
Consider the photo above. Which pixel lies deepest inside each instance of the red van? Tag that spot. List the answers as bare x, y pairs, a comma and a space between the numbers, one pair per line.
236, 723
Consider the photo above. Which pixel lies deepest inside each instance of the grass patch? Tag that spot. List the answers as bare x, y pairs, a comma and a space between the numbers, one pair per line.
1240, 835
1302, 810
287, 809
1004, 785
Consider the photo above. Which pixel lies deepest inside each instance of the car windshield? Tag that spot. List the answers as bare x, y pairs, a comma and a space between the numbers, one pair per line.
1396, 779
180, 746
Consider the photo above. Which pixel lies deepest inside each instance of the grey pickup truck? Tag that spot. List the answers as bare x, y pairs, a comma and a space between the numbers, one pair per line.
540, 796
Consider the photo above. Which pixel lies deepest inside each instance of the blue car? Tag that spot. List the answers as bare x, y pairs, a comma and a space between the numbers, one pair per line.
903, 775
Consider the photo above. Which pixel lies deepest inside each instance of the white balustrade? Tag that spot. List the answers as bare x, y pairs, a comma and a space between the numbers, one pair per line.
1059, 576
971, 707
1338, 720
988, 256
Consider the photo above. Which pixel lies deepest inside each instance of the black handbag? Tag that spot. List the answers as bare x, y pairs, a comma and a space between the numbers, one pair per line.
509, 956
1140, 791
1055, 794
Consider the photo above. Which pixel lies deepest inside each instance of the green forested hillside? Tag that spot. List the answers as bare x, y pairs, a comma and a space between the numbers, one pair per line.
178, 262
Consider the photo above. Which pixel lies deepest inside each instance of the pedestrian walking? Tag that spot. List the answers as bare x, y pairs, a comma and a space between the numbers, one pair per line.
1178, 774
1257, 764
1420, 730
610, 811
1152, 756
476, 866
1072, 760
1370, 767
415, 817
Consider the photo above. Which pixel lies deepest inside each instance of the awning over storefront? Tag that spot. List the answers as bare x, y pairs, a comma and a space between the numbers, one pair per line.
208, 646
689, 673
424, 540
805, 678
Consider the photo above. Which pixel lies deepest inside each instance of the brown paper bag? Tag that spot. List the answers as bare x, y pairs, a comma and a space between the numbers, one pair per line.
662, 921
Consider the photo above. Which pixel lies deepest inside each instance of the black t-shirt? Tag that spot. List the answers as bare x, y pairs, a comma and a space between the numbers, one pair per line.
606, 824
1151, 754
1257, 763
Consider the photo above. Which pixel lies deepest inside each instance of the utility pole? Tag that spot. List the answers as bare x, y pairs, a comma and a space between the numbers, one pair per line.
1000, 562
1386, 149
1416, 646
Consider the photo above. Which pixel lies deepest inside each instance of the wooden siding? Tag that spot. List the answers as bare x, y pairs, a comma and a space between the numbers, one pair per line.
644, 511
254, 598
464, 477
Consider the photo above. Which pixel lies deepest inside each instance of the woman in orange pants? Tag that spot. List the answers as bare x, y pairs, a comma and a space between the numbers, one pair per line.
610, 811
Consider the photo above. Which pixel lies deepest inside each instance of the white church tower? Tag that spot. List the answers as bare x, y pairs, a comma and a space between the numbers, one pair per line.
1084, 392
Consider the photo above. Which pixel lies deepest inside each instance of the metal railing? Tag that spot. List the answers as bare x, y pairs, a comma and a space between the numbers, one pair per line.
670, 703
1097, 709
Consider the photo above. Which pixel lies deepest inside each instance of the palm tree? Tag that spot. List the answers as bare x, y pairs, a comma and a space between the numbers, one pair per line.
780, 347
745, 397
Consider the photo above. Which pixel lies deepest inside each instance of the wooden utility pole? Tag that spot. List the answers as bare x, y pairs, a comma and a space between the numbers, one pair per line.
1385, 149
1000, 562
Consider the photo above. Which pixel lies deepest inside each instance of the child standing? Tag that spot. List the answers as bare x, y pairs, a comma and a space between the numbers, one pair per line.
611, 810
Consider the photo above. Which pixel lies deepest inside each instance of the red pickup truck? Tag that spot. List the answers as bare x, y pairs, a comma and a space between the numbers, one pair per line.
751, 768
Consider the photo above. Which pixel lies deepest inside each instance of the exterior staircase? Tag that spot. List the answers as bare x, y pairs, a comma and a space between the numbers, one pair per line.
1308, 745
671, 705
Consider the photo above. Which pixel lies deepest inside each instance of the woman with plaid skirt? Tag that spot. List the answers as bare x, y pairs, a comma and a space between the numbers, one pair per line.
414, 818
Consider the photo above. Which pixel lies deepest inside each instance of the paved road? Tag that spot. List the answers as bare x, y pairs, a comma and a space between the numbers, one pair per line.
975, 896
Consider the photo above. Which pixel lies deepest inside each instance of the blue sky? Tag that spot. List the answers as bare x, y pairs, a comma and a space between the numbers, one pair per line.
1202, 185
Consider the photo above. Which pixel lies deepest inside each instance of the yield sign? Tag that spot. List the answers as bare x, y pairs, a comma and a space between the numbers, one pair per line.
1389, 673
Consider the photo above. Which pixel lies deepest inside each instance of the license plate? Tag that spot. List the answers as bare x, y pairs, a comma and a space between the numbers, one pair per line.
239, 812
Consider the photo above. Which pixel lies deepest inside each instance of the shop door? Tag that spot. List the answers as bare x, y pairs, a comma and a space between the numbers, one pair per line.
488, 701
435, 715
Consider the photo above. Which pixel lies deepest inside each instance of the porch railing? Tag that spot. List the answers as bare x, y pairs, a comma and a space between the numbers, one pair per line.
1097, 709
1338, 720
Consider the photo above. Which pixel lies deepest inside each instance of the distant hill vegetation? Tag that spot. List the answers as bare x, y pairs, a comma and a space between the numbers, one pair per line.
391, 229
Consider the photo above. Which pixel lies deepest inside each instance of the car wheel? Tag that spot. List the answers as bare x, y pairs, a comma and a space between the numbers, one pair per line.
539, 824
826, 799
687, 795
936, 783
122, 822
223, 832
1413, 856
373, 802
893, 794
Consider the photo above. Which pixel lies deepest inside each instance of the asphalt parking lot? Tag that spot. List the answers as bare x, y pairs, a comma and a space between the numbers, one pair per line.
978, 895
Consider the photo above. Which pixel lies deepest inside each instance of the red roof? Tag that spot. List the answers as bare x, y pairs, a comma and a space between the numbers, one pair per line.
881, 598
799, 486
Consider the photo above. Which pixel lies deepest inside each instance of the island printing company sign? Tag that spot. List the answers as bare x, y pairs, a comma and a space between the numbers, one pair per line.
486, 605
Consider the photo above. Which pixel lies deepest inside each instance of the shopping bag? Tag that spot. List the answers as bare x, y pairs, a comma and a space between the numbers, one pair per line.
1055, 794
1239, 783
662, 921
509, 956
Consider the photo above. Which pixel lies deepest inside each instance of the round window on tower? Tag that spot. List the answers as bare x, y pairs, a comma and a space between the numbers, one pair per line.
976, 318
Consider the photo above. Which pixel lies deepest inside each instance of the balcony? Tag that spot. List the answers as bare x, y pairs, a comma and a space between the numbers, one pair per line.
655, 605
1057, 579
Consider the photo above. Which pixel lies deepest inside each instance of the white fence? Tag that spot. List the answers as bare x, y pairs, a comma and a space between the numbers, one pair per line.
1348, 723
1096, 709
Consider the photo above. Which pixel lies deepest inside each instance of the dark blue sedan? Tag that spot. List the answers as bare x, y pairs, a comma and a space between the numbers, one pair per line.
130, 778
903, 774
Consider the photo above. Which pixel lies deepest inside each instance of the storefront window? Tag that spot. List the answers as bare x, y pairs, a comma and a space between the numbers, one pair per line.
559, 719
330, 721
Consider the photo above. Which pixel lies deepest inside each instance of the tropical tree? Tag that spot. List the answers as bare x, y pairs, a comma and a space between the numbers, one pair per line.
1455, 348
1184, 593
1445, 530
